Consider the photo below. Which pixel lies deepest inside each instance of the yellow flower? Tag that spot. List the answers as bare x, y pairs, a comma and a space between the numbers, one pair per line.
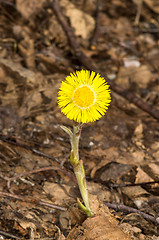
84, 97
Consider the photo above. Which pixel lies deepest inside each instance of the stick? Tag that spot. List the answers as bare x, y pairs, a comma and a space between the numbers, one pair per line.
128, 209
86, 62
32, 200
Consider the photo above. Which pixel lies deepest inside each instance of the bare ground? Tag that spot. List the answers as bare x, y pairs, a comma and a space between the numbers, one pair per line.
38, 189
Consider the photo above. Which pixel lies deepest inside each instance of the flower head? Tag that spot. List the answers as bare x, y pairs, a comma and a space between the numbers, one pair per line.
84, 97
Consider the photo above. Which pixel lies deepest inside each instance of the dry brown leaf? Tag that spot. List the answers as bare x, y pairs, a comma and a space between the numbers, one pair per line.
60, 193
134, 192
153, 5
82, 22
142, 76
22, 74
29, 7
153, 170
142, 176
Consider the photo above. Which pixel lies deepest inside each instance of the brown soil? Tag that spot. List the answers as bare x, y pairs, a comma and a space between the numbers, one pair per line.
38, 190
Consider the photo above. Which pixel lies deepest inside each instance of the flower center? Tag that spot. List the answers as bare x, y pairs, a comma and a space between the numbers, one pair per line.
83, 96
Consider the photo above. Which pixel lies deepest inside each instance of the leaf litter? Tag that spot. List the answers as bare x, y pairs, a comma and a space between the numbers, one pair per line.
122, 149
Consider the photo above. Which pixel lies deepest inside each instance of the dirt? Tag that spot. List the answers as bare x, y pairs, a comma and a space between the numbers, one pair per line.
38, 190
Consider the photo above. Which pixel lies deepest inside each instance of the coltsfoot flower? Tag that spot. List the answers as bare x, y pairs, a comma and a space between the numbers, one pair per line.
84, 97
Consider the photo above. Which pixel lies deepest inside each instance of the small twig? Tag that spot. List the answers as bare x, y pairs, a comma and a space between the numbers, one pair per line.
4, 9
149, 30
132, 184
4, 177
130, 48
97, 28
32, 200
89, 65
114, 185
128, 209
8, 3
70, 34
42, 203
4, 139
9, 180
67, 169
138, 14
9, 235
